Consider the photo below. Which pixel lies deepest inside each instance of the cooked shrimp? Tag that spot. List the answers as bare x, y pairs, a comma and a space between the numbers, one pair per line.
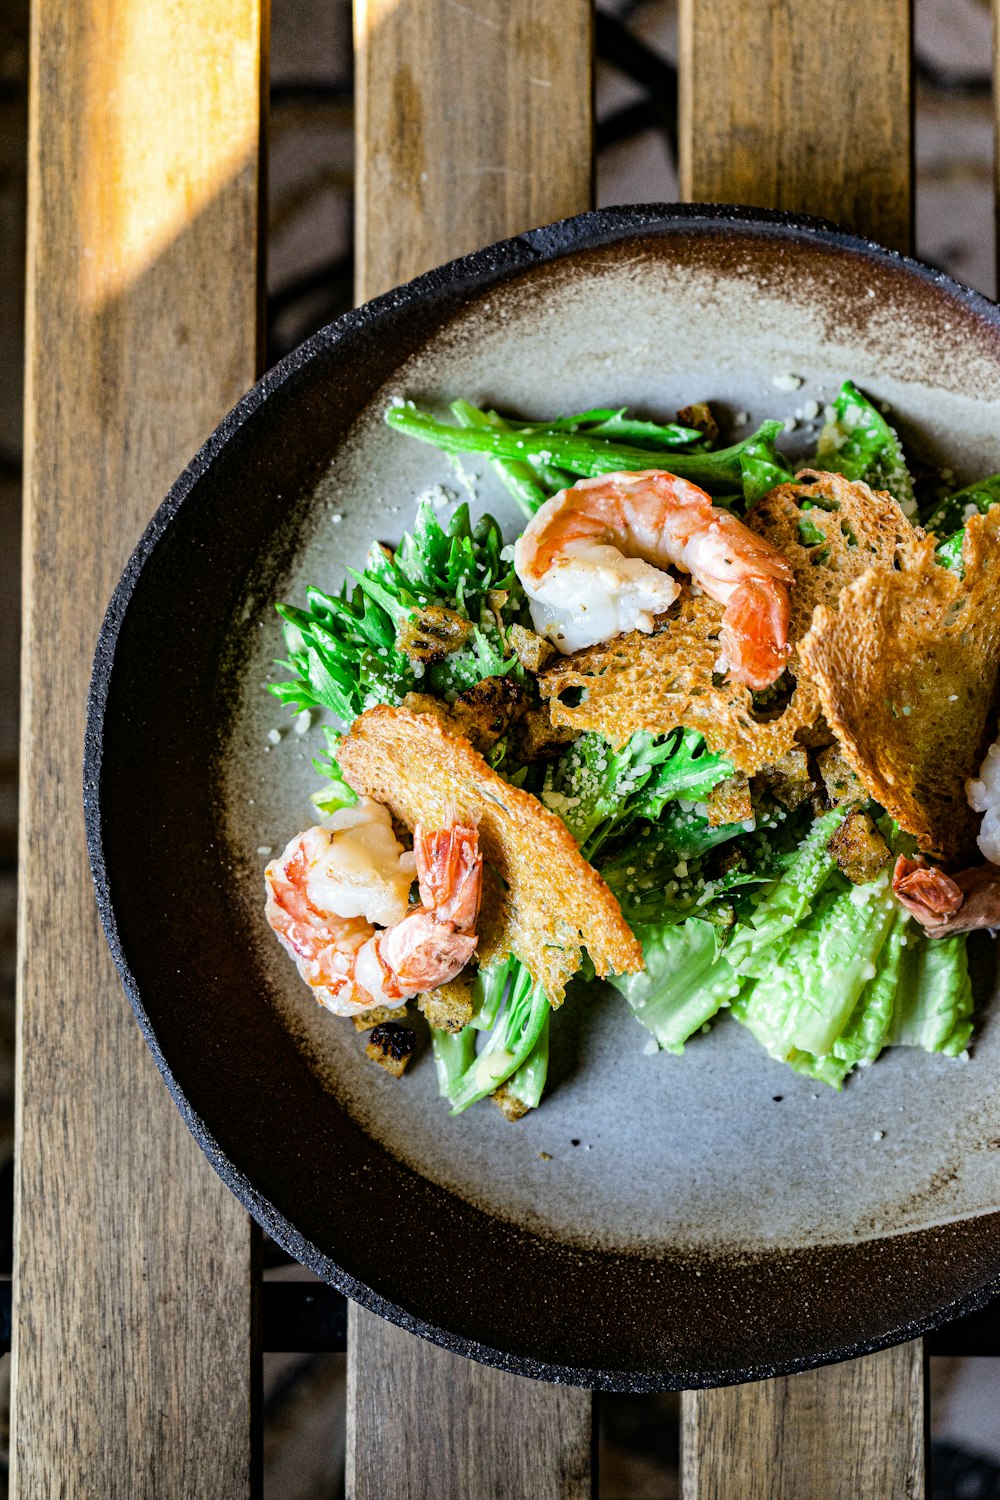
592, 559
334, 883
946, 904
927, 892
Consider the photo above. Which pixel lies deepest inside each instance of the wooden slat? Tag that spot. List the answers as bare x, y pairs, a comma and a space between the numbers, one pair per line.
422, 1422
133, 1361
473, 122
846, 1432
787, 104
790, 104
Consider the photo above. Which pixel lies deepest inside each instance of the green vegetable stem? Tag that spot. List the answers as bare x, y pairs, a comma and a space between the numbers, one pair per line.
753, 465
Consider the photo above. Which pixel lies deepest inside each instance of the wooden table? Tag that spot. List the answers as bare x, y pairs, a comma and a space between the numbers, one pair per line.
136, 1357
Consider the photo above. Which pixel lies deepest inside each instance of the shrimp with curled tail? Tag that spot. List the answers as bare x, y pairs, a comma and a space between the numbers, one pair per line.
592, 558
338, 899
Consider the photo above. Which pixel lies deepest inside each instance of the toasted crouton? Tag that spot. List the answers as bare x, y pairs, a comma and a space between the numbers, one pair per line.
508, 1104
700, 416
729, 802
537, 738
377, 1015
859, 849
789, 781
449, 1007
532, 651
483, 713
391, 1046
842, 785
432, 633
542, 900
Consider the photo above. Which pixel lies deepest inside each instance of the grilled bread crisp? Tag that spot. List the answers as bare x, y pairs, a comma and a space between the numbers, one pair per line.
832, 530
666, 680
907, 667
542, 901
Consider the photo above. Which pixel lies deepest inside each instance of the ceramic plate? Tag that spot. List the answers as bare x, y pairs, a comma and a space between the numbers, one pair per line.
660, 1221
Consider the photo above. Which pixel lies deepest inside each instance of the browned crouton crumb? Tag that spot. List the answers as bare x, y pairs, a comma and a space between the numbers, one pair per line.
859, 848
789, 781
842, 785
537, 738
495, 600
483, 713
391, 1046
432, 633
532, 651
729, 802
449, 1007
700, 416
377, 1015
509, 1106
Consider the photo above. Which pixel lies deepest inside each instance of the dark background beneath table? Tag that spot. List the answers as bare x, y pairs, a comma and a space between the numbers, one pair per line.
310, 275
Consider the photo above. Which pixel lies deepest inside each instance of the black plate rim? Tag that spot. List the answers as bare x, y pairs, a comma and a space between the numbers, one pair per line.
479, 270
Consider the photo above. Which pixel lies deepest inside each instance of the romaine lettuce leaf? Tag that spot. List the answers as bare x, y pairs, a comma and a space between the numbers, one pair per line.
934, 1002
808, 989
789, 900
684, 983
866, 1033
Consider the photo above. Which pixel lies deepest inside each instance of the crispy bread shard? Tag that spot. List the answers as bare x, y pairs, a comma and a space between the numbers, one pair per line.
544, 902
907, 669
660, 681
831, 530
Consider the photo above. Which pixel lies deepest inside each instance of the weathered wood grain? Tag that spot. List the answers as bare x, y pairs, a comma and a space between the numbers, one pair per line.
846, 1432
422, 1422
785, 104
473, 123
133, 1354
789, 104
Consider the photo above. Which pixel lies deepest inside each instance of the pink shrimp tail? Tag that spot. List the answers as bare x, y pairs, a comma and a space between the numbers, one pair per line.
450, 872
754, 635
431, 945
420, 953
927, 893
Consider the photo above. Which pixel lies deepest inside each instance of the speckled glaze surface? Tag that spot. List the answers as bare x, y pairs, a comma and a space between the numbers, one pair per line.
660, 1221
